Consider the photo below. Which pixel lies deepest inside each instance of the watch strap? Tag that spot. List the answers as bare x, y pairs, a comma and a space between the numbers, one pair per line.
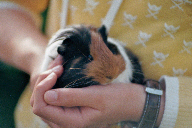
152, 104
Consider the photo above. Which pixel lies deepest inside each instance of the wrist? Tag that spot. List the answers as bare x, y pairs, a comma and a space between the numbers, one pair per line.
135, 114
136, 105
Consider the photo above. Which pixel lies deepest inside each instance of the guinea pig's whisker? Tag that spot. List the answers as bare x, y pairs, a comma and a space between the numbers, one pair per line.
84, 55
74, 68
72, 76
65, 62
75, 81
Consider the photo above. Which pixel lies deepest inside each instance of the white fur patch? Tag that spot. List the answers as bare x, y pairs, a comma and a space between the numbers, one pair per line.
127, 74
50, 54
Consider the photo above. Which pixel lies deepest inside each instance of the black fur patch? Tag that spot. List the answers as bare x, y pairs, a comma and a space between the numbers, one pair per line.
138, 75
75, 46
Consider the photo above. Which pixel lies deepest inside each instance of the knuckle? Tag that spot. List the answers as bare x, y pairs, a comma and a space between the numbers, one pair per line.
39, 87
31, 102
44, 74
36, 110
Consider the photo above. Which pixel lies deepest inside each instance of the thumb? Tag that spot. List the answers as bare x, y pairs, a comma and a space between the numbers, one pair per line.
72, 97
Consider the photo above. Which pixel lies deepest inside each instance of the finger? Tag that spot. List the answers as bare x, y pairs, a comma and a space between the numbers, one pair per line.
40, 108
58, 115
39, 90
58, 61
58, 70
70, 97
41, 77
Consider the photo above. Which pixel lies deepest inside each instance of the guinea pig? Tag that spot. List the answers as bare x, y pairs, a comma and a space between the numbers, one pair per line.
92, 58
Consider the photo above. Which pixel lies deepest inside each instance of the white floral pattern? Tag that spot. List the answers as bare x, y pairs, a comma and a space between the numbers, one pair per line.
143, 38
186, 47
177, 4
170, 30
153, 11
90, 6
129, 20
159, 58
178, 72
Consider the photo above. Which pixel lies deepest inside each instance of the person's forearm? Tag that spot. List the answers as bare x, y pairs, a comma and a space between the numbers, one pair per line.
21, 42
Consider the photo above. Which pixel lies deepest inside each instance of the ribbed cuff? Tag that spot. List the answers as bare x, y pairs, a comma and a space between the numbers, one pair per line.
171, 101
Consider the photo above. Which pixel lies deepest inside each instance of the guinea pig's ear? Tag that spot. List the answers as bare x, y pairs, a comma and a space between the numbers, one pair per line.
102, 30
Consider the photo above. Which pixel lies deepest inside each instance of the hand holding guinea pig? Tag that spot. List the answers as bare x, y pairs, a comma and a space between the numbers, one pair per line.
93, 106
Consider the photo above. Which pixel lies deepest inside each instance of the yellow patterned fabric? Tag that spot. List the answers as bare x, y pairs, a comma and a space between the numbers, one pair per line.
24, 116
159, 32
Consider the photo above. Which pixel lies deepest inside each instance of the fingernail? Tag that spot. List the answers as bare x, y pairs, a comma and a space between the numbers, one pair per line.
50, 76
57, 68
50, 96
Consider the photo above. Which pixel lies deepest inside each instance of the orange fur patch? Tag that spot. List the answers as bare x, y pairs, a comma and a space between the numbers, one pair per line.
105, 66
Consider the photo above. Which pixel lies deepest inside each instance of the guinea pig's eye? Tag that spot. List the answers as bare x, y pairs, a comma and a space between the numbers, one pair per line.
90, 57
67, 42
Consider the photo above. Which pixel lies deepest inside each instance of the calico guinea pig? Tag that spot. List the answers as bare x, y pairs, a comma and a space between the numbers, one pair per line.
91, 58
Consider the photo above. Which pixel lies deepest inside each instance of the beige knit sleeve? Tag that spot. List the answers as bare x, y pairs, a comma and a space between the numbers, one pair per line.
184, 117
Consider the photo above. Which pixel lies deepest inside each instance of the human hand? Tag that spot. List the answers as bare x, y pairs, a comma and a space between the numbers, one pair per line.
93, 106
54, 66
36, 72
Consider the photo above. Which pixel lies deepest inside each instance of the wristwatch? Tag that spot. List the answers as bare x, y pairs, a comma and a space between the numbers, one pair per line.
152, 104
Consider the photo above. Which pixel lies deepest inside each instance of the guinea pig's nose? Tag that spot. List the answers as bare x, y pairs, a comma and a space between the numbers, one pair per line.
61, 50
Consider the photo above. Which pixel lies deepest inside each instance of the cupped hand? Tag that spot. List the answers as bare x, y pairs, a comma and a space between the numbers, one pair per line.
94, 106
54, 66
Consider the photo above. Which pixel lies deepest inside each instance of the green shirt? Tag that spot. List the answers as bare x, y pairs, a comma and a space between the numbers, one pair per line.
12, 84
